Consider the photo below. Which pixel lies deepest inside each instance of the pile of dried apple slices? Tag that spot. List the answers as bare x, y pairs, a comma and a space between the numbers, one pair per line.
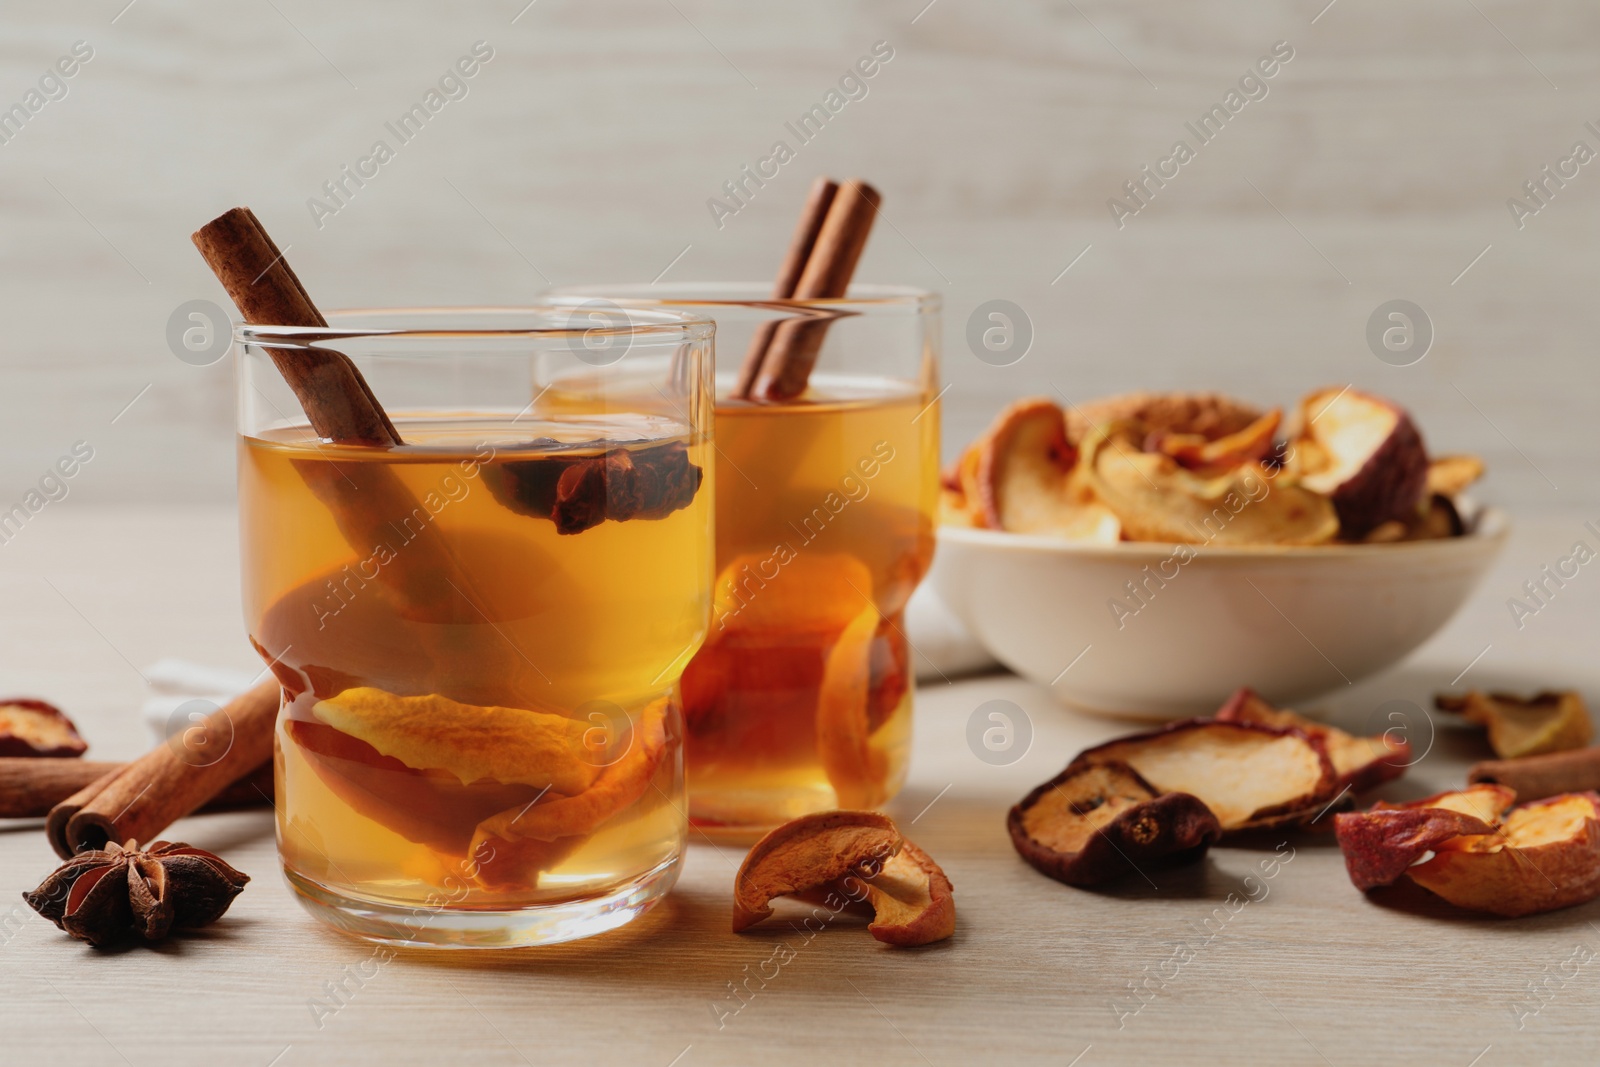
1163, 797
1347, 466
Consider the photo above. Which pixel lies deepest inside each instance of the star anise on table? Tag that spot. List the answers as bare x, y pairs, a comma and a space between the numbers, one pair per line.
120, 891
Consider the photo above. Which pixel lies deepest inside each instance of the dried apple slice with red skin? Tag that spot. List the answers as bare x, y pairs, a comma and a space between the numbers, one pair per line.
811, 851
1380, 845
1100, 821
1371, 460
1249, 775
1544, 856
34, 728
1361, 763
852, 861
1025, 480
1023, 464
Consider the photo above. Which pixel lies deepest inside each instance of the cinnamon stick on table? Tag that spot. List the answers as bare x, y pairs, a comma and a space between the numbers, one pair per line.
1536, 777
812, 215
30, 786
796, 343
175, 778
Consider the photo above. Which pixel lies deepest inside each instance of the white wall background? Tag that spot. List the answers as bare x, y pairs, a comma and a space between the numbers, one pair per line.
586, 149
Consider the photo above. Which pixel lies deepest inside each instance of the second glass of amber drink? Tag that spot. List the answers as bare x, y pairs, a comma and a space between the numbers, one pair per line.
480, 631
800, 699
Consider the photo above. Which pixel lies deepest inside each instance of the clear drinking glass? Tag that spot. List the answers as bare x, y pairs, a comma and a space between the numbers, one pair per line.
480, 632
800, 700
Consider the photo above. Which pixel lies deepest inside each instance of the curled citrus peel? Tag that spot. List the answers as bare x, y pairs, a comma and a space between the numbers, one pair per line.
854, 857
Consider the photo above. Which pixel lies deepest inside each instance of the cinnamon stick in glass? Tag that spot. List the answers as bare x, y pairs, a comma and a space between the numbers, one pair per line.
330, 388
804, 239
795, 345
172, 780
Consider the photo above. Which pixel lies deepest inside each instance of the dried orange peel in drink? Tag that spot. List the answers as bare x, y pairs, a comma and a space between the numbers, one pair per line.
1534, 858
858, 856
512, 746
1360, 763
1099, 821
1547, 722
513, 846
1250, 776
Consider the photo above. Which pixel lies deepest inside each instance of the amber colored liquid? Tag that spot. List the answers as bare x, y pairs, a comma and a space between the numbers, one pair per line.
800, 699
464, 598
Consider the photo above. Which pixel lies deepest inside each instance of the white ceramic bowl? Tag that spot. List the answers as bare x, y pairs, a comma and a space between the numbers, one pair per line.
1289, 622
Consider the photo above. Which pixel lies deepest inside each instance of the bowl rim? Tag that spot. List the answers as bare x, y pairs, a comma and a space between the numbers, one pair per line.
1491, 526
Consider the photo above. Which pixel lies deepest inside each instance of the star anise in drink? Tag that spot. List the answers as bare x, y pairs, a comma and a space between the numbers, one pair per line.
121, 891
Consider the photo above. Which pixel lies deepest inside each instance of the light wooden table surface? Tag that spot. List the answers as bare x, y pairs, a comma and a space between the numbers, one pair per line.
1309, 972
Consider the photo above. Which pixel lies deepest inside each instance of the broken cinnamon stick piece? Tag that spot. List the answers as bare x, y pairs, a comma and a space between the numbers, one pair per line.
330, 388
801, 244
170, 781
796, 343
1537, 777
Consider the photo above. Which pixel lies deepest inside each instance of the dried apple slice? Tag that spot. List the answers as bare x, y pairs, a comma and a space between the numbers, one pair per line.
512, 847
911, 899
1551, 721
808, 852
1361, 763
1024, 478
512, 746
1544, 856
1381, 845
35, 728
1450, 476
1099, 821
1250, 776
1155, 499
1365, 454
1196, 452
856, 770
856, 861
810, 591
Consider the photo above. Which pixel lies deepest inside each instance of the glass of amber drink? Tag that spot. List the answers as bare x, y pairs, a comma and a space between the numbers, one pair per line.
480, 631
800, 699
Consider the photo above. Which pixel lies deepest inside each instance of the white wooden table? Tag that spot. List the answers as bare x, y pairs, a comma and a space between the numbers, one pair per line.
1309, 972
